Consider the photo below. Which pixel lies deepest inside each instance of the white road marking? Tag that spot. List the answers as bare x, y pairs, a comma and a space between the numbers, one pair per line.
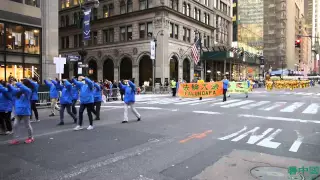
255, 138
308, 94
233, 134
297, 143
267, 142
260, 103
237, 104
207, 101
300, 93
188, 101
275, 105
150, 108
206, 112
318, 94
245, 134
226, 102
279, 118
311, 109
287, 93
292, 107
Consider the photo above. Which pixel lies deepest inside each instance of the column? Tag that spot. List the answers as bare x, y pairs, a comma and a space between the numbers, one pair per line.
50, 37
116, 73
100, 72
135, 73
180, 69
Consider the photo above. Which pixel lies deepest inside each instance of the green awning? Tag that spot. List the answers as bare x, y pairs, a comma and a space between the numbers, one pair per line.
215, 56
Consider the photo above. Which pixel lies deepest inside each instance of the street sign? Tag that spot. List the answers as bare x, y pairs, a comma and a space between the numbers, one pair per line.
83, 65
73, 58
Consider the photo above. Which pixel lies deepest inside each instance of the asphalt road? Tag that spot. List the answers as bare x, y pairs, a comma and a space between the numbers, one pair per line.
177, 140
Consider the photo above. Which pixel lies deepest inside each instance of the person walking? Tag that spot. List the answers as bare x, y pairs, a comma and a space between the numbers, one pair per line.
75, 97
53, 95
97, 94
66, 101
247, 84
200, 81
22, 106
174, 87
129, 99
121, 90
225, 82
34, 98
6, 103
86, 100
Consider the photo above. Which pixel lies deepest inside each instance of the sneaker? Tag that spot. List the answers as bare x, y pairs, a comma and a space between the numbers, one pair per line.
14, 142
124, 122
33, 121
12, 119
139, 119
51, 115
9, 132
77, 128
37, 120
29, 140
97, 119
90, 127
60, 124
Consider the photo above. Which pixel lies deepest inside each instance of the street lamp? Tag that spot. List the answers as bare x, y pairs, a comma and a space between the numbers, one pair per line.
85, 4
153, 60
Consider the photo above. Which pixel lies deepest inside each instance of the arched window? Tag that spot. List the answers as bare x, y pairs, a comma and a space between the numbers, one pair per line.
94, 15
67, 20
129, 6
188, 10
62, 21
122, 7
184, 8
75, 18
105, 10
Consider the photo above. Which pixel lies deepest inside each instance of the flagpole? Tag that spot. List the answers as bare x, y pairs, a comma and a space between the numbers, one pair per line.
189, 48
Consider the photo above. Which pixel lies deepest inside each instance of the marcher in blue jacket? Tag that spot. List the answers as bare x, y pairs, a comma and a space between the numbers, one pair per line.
129, 99
34, 98
97, 94
53, 95
5, 109
22, 109
75, 97
66, 101
86, 100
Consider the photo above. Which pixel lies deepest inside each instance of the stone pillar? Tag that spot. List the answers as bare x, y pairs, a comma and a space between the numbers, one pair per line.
191, 71
135, 73
100, 72
180, 69
50, 37
116, 73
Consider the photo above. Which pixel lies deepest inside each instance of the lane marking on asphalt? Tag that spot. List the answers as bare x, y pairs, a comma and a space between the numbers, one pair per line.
233, 134
311, 109
292, 107
297, 143
226, 102
238, 104
196, 136
279, 118
274, 106
206, 112
255, 105
149, 108
267, 142
206, 101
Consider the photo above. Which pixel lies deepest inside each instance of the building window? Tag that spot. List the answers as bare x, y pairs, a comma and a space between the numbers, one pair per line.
195, 13
75, 2
18, 1
62, 21
35, 3
150, 29
62, 4
129, 33
176, 31
206, 2
188, 35
14, 35
67, 20
188, 10
111, 35
75, 41
105, 10
129, 6
95, 38
122, 7
208, 19
205, 18
149, 4
184, 8
67, 42
32, 41
142, 31
111, 9
62, 43
171, 30
122, 34
67, 3
184, 34
108, 35
1, 36
94, 15
143, 4
176, 5
199, 15
171, 3
80, 39
75, 18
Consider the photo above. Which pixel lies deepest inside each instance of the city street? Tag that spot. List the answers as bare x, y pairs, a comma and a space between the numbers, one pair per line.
177, 139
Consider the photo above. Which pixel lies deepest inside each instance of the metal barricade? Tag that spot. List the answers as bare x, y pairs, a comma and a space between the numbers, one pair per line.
111, 94
44, 99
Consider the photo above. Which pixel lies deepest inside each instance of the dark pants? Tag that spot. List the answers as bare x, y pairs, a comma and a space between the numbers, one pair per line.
5, 121
121, 96
225, 94
74, 109
174, 91
68, 107
89, 111
96, 109
34, 109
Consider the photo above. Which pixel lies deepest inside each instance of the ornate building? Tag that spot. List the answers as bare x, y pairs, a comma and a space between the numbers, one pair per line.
121, 32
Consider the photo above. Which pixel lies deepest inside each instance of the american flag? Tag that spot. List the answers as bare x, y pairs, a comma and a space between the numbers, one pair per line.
195, 52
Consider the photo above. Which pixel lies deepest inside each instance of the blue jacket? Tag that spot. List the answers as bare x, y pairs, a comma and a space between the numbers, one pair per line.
75, 93
35, 89
53, 88
97, 93
86, 91
129, 92
22, 104
6, 101
66, 95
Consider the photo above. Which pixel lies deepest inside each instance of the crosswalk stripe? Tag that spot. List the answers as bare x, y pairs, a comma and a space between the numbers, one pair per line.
260, 103
318, 94
187, 102
275, 105
287, 93
237, 104
204, 101
226, 102
300, 93
308, 94
311, 109
292, 107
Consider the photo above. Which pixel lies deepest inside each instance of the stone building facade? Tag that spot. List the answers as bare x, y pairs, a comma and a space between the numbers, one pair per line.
121, 31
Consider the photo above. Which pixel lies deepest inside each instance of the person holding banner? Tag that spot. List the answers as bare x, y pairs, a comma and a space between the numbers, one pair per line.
226, 85
174, 87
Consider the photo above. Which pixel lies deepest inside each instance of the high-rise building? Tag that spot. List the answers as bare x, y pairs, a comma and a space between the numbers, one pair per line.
28, 38
121, 31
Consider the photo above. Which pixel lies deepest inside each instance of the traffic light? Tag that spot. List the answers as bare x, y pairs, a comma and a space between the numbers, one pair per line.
298, 43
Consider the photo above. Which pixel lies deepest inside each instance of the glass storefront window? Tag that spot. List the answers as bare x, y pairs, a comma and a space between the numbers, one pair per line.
14, 38
31, 70
1, 36
32, 41
14, 71
35, 3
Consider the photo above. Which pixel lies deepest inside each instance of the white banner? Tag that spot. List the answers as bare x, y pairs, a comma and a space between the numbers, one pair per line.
59, 62
153, 50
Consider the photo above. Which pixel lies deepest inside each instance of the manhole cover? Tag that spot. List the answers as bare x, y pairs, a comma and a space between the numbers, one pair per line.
272, 173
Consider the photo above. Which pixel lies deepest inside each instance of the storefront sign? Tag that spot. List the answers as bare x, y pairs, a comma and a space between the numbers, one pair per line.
196, 90
86, 24
238, 87
152, 50
74, 58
